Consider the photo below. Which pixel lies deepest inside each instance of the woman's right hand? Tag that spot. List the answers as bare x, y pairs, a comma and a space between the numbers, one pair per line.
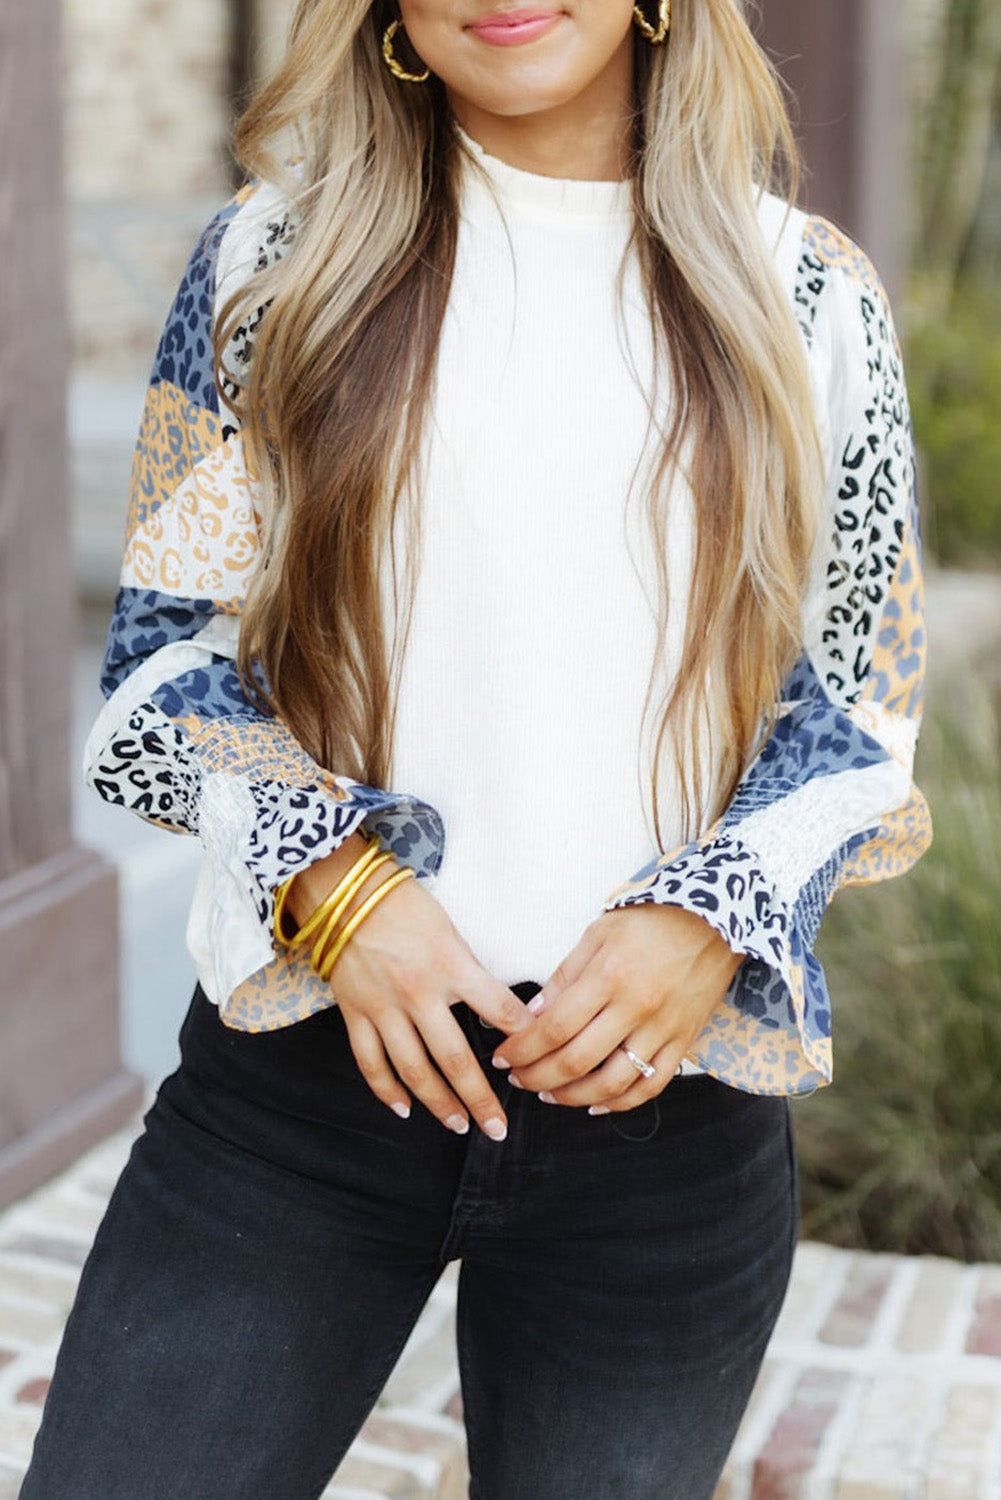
395, 982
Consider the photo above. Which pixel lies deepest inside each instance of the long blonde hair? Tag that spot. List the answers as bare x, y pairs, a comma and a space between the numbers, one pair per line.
334, 403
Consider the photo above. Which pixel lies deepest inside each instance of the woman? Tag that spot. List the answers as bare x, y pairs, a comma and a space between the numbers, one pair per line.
511, 443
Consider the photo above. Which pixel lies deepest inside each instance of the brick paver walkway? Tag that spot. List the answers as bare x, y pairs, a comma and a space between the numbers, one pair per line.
883, 1380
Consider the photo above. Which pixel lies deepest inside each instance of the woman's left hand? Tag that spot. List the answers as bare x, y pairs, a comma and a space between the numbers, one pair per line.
648, 975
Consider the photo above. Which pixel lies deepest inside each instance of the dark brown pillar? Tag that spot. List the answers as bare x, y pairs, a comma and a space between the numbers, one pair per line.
845, 62
62, 1085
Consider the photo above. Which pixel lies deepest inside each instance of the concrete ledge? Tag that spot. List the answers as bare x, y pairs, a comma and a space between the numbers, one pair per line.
62, 1085
57, 1140
882, 1382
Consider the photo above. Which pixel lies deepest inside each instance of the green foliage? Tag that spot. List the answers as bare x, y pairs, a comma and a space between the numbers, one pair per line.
958, 75
954, 377
903, 1150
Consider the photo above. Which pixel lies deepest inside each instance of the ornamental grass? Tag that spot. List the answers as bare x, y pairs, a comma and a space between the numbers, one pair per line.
903, 1151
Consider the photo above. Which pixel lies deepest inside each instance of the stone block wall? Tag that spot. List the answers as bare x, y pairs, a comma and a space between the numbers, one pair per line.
146, 89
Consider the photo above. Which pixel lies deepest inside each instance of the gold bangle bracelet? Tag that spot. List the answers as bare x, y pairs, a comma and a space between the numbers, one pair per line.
338, 911
354, 922
317, 917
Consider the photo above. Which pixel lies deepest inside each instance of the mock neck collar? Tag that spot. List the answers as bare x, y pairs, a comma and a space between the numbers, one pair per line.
559, 196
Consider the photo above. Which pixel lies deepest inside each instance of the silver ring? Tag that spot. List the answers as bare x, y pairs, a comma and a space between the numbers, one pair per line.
647, 1069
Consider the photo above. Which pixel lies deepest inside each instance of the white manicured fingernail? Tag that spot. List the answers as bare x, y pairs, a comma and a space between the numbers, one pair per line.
598, 1109
403, 1110
458, 1123
501, 1062
536, 1003
495, 1129
546, 1096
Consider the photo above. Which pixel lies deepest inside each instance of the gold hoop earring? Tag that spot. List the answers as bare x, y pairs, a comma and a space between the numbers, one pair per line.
392, 62
659, 33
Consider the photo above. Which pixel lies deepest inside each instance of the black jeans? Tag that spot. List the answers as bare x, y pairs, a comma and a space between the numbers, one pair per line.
276, 1231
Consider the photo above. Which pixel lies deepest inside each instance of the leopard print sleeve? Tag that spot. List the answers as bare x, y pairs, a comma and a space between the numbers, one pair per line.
829, 800
177, 741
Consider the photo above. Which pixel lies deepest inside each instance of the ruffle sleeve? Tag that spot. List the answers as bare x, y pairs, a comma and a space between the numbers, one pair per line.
177, 741
830, 799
